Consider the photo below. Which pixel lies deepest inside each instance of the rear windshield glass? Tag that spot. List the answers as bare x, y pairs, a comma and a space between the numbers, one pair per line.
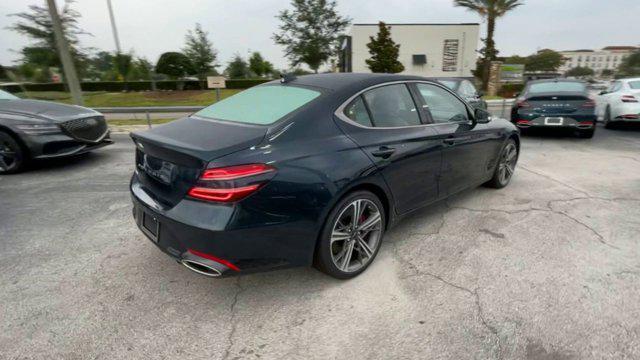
449, 83
260, 105
635, 85
6, 96
560, 86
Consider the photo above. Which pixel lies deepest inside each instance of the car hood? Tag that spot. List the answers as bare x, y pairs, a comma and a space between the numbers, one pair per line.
45, 109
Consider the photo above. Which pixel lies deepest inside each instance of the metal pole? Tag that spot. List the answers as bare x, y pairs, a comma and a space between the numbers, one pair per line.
113, 27
148, 120
68, 67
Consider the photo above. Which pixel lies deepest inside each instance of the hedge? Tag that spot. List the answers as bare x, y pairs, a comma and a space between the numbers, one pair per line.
510, 90
116, 86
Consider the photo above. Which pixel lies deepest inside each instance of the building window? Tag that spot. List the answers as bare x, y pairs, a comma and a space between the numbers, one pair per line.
450, 55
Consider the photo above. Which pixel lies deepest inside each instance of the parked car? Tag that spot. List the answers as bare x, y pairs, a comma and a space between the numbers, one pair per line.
33, 129
465, 89
311, 170
555, 103
621, 102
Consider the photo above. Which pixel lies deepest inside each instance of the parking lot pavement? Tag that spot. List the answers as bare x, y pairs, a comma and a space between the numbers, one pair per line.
547, 268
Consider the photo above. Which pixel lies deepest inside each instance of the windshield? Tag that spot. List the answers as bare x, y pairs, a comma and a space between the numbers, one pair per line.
449, 83
557, 86
6, 96
260, 105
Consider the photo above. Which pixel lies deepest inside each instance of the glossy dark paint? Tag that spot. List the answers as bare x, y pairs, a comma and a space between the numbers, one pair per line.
319, 158
567, 105
14, 113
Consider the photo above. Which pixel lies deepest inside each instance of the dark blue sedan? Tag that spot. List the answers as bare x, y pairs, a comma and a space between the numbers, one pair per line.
310, 170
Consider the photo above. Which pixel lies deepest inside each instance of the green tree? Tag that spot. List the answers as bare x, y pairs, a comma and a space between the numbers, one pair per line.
36, 24
516, 59
174, 64
259, 66
544, 60
237, 68
580, 71
3, 73
491, 10
311, 32
140, 69
122, 64
630, 66
607, 72
384, 52
200, 52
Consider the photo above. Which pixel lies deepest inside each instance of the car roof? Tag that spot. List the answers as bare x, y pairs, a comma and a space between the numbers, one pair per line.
348, 81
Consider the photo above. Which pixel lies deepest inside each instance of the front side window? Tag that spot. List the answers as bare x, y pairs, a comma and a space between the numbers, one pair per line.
443, 106
467, 89
357, 111
392, 106
261, 105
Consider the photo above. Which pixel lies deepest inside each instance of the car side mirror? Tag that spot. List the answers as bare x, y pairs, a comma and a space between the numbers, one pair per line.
603, 92
481, 116
480, 93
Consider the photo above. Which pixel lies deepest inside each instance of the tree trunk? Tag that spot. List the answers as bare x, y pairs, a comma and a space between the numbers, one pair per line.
489, 50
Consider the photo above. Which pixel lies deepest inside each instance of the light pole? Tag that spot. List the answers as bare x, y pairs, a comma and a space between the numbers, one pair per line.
68, 67
114, 29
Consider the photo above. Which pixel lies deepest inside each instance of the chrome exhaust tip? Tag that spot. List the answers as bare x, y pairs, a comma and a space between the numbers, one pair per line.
201, 268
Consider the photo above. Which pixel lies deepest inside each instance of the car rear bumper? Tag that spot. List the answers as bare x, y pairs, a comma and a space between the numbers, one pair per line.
560, 121
200, 231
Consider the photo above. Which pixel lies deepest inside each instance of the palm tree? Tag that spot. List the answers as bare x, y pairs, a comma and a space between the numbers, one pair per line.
491, 10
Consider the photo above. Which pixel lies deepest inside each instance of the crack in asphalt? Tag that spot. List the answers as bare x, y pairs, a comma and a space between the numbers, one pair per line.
230, 341
554, 180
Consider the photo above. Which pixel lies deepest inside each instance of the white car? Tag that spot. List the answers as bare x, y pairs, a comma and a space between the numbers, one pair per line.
621, 102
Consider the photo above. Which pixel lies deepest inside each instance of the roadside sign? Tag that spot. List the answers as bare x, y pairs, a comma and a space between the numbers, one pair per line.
512, 73
216, 82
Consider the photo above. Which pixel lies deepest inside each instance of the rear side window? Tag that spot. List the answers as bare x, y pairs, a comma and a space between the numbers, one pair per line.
262, 105
557, 86
357, 112
392, 106
6, 96
635, 85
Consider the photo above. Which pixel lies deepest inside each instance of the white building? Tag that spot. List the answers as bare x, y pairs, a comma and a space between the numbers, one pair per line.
608, 58
432, 50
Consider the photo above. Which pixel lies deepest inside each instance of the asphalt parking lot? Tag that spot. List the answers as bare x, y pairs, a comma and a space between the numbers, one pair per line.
548, 268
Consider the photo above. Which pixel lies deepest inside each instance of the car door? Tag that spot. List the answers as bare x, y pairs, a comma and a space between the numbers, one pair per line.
385, 122
469, 149
612, 99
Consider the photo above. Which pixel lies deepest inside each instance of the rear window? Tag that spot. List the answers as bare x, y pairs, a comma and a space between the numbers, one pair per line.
560, 86
635, 85
6, 96
261, 105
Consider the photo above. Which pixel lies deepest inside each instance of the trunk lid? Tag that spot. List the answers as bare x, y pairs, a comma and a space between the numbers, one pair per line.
557, 103
171, 157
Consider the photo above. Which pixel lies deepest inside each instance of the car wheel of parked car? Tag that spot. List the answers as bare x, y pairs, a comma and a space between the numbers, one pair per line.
505, 167
607, 119
351, 236
12, 157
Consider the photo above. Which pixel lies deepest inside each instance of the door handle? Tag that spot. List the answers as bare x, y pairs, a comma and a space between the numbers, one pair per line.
449, 141
383, 152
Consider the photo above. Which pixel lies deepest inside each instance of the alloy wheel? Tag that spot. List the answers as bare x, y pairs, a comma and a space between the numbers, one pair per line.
507, 163
7, 156
356, 235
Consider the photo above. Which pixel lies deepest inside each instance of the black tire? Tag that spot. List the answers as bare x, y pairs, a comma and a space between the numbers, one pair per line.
586, 134
325, 256
498, 181
608, 124
12, 155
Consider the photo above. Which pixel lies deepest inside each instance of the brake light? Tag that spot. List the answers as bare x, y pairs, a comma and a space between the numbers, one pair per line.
629, 99
590, 103
214, 258
523, 122
236, 172
232, 183
585, 123
522, 103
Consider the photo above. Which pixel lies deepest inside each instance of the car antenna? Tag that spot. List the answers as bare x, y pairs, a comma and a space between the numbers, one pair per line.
285, 78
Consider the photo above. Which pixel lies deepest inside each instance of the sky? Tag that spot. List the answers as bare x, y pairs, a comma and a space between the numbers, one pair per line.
151, 27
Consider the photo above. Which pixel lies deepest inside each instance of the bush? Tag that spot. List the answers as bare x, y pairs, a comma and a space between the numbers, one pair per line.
510, 90
116, 86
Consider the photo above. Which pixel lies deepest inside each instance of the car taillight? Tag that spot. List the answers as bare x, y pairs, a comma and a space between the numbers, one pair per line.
522, 103
629, 99
590, 103
232, 183
523, 122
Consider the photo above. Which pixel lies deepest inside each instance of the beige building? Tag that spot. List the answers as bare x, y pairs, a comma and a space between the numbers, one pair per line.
608, 58
433, 50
